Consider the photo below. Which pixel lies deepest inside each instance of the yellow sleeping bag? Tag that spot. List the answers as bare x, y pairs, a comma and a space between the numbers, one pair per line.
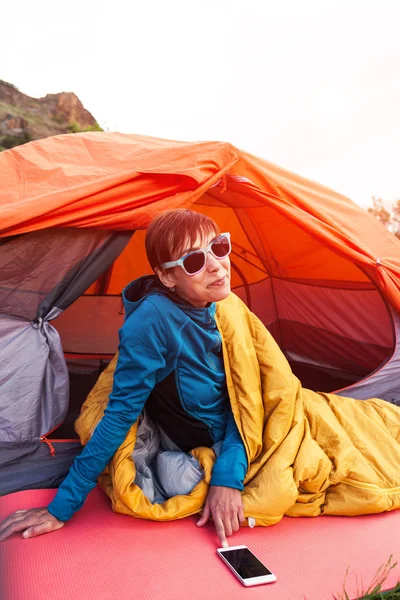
309, 453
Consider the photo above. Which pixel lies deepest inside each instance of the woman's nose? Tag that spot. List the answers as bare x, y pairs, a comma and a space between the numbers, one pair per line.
213, 263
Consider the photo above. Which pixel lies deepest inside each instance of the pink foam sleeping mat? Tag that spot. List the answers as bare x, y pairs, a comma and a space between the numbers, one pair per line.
100, 555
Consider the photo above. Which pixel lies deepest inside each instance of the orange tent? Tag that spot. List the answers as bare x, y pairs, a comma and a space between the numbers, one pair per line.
119, 182
321, 273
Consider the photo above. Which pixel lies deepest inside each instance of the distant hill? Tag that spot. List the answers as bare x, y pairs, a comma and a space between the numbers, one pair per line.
23, 118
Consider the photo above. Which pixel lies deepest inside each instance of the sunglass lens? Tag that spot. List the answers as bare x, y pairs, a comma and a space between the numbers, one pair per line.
194, 262
221, 247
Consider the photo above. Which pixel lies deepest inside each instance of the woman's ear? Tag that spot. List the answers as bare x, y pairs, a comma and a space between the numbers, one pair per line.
166, 277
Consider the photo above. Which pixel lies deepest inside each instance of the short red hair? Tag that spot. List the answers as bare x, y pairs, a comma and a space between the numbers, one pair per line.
171, 232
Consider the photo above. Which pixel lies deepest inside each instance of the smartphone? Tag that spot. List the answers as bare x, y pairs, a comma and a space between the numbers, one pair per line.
246, 566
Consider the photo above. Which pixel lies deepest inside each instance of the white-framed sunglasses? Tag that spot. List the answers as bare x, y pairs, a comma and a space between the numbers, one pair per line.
194, 262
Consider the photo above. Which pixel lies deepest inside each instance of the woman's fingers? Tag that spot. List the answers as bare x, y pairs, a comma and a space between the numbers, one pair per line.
226, 508
11, 525
220, 530
235, 523
45, 527
241, 514
32, 522
225, 526
205, 516
237, 518
10, 528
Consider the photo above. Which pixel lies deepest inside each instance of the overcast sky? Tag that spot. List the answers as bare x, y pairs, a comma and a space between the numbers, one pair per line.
311, 85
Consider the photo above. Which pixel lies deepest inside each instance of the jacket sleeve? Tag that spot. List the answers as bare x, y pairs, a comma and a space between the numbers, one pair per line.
231, 465
141, 355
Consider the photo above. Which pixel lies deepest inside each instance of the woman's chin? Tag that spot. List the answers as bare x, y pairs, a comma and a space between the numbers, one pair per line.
220, 293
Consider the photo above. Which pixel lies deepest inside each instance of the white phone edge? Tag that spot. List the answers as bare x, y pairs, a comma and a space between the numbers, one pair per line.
251, 580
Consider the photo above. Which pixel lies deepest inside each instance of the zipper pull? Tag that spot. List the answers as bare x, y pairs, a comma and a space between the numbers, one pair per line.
50, 445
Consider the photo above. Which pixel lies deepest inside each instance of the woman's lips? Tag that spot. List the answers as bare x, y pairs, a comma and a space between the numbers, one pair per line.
218, 282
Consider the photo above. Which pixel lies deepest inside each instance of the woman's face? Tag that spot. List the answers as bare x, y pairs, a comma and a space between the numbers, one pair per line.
212, 284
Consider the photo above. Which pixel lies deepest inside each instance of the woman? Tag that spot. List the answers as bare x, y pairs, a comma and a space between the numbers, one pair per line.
170, 318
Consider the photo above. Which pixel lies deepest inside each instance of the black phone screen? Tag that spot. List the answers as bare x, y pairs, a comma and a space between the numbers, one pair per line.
245, 563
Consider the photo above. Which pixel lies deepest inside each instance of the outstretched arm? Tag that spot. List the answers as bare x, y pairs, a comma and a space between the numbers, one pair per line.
141, 356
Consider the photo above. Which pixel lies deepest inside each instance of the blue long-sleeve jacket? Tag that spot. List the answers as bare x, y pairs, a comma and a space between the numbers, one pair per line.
162, 337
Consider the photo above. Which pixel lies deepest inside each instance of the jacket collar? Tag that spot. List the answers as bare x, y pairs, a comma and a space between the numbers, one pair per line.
147, 285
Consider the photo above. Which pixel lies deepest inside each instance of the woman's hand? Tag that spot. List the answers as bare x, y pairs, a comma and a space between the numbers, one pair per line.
32, 522
225, 506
